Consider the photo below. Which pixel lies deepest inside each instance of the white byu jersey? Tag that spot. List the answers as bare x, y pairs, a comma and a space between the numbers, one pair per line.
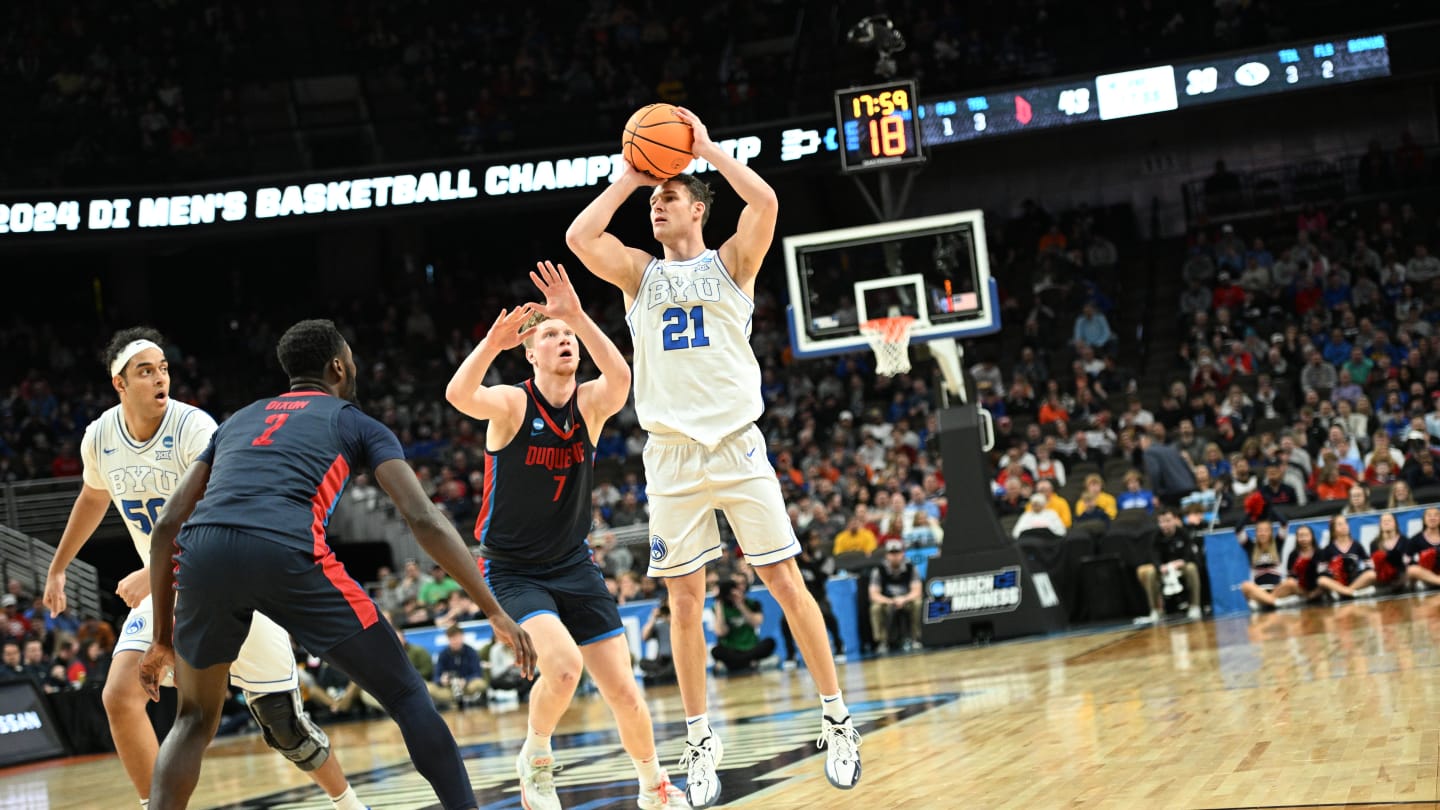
141, 476
695, 373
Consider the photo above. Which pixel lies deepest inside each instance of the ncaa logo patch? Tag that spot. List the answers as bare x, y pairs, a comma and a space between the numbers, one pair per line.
168, 441
135, 626
537, 427
657, 548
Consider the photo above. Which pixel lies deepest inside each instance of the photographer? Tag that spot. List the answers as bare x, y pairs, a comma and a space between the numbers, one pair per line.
737, 618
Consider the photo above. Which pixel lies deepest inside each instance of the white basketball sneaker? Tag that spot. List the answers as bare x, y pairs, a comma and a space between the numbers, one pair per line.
702, 782
842, 752
663, 796
537, 782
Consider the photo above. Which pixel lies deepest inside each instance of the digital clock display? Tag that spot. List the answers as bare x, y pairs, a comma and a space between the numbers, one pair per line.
878, 126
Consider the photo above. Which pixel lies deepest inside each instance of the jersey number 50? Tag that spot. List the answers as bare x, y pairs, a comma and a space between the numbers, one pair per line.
677, 323
142, 513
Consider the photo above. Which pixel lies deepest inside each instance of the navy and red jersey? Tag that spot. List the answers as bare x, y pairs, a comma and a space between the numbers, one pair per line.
1419, 551
536, 504
1264, 567
1342, 566
279, 465
1300, 567
1389, 563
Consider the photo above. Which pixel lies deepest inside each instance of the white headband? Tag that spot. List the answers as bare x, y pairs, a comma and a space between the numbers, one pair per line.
132, 349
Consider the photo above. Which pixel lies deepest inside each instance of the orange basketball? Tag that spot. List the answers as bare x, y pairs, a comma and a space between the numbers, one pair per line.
657, 142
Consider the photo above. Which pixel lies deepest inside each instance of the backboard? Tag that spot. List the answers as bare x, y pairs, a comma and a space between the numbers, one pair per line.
935, 269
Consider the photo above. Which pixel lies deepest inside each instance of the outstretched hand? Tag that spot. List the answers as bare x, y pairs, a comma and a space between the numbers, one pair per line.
561, 302
506, 332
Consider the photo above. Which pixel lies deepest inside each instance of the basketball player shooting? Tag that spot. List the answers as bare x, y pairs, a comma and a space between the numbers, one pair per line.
270, 478
134, 455
697, 394
535, 515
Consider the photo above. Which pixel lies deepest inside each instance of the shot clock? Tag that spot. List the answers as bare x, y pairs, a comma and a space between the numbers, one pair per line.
878, 126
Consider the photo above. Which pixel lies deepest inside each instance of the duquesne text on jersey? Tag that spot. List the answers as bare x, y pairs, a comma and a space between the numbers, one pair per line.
555, 458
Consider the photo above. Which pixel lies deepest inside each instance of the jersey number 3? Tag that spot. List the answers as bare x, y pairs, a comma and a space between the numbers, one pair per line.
677, 323
274, 420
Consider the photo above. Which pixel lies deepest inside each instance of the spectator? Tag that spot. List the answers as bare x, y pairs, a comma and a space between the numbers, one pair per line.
1038, 515
1329, 484
1098, 499
1400, 496
894, 597
458, 669
1054, 502
1175, 557
505, 674
1135, 496
1357, 501
1317, 375
1169, 473
737, 618
12, 667
1091, 329
1013, 498
437, 589
1046, 465
1243, 480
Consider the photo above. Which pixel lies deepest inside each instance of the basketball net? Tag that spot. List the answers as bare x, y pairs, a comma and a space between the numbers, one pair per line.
890, 339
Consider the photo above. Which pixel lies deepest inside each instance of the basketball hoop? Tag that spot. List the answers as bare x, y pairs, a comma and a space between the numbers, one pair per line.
890, 338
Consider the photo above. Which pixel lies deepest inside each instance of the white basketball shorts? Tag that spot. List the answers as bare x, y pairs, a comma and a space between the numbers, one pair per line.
686, 482
266, 663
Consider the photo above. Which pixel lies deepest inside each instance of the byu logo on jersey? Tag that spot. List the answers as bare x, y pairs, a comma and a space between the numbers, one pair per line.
682, 287
657, 548
135, 626
537, 427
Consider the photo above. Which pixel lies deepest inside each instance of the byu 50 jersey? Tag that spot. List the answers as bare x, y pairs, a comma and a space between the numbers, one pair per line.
695, 373
141, 476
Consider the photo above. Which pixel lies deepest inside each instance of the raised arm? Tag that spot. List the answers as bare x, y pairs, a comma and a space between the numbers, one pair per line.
743, 252
467, 390
601, 252
604, 396
437, 535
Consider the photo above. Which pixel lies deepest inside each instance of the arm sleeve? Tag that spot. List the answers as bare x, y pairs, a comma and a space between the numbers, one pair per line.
366, 441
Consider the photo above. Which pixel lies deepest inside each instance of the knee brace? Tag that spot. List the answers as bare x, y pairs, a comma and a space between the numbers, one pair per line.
287, 728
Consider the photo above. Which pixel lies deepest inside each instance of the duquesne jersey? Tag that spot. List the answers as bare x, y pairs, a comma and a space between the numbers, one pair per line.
535, 507
281, 464
695, 373
141, 476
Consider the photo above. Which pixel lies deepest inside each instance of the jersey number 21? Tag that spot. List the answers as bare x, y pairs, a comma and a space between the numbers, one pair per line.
678, 321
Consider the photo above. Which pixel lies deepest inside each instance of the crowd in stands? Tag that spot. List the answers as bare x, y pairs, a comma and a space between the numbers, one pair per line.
158, 91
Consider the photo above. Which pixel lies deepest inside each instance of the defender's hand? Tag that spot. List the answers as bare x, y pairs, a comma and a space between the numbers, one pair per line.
158, 663
561, 302
511, 634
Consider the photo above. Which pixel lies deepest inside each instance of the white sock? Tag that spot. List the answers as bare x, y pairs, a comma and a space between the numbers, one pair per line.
536, 745
347, 800
648, 770
697, 728
145, 803
834, 707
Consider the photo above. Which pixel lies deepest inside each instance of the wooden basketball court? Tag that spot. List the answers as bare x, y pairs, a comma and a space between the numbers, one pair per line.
1319, 707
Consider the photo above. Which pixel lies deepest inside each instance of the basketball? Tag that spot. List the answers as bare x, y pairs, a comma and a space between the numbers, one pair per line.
657, 142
